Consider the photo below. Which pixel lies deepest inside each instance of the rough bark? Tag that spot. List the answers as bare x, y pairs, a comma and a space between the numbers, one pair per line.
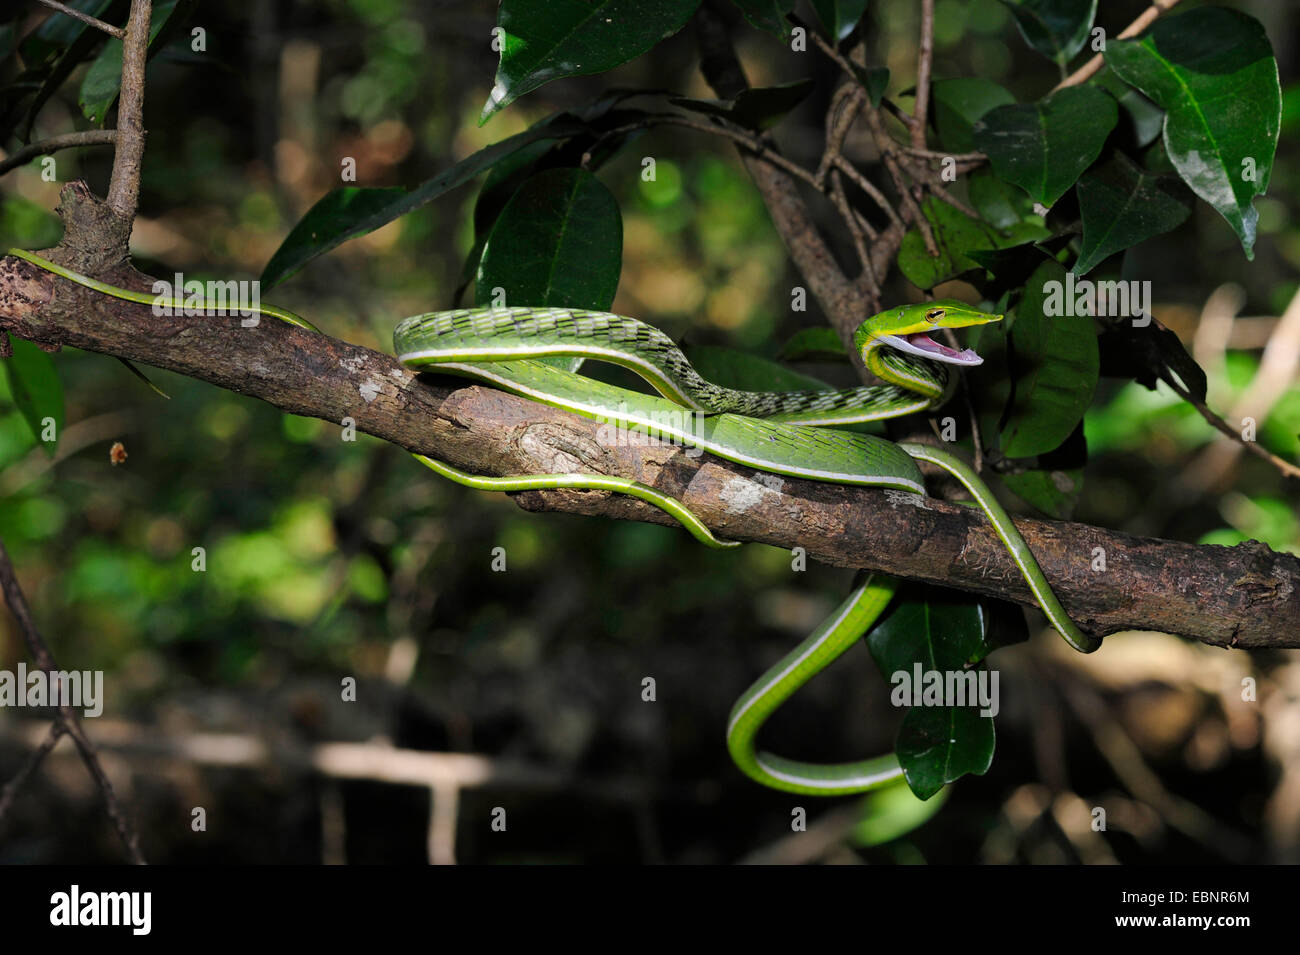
1244, 596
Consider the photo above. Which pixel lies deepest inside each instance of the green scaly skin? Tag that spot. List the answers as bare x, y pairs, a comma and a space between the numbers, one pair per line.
517, 349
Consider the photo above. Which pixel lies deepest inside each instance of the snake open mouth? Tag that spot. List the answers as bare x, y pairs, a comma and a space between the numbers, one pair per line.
924, 346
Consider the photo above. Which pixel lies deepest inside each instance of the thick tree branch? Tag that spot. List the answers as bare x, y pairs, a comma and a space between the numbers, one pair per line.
1244, 596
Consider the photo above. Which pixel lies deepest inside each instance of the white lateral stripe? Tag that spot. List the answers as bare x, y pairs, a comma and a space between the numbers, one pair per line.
810, 782
815, 645
599, 412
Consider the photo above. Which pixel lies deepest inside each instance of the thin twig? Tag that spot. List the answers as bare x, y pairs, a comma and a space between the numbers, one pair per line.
67, 716
923, 74
751, 142
124, 188
850, 217
87, 137
867, 186
1145, 19
84, 18
1286, 467
840, 114
8, 794
959, 158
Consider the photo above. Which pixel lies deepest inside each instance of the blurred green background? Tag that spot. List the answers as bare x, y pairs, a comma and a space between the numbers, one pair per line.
328, 559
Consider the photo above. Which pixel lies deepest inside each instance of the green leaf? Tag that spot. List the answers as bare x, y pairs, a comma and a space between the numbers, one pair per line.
544, 41
1058, 29
1055, 493
737, 369
839, 17
1121, 206
759, 109
875, 81
814, 344
35, 388
891, 813
349, 212
955, 233
1001, 204
1212, 71
82, 39
769, 15
1054, 365
1145, 118
938, 745
942, 633
558, 241
961, 102
1144, 354
940, 629
1043, 147
103, 81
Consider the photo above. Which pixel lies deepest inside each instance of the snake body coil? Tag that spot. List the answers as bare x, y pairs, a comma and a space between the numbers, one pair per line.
534, 352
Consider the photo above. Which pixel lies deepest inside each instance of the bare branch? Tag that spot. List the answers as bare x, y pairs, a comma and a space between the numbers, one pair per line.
841, 299
124, 188
12, 788
748, 140
1254, 447
923, 74
88, 137
1245, 596
84, 18
67, 718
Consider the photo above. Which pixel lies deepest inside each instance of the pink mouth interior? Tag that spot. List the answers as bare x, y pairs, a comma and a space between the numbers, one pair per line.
925, 343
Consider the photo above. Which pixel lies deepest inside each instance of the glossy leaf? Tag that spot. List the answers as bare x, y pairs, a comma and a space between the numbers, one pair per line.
545, 41
1043, 147
938, 745
1121, 205
758, 109
1212, 70
1053, 365
941, 634
350, 212
769, 15
961, 102
1145, 119
955, 234
35, 388
839, 17
814, 344
103, 81
1058, 29
732, 368
558, 241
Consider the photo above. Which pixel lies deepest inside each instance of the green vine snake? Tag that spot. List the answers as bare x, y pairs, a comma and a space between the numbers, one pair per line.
534, 352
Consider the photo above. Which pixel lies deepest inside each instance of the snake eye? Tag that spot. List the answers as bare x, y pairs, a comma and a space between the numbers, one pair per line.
934, 316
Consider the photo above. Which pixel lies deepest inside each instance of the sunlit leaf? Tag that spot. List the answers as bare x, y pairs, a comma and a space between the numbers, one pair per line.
545, 40
1212, 70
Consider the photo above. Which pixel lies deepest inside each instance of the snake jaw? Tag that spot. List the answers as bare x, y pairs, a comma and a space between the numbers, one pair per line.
923, 346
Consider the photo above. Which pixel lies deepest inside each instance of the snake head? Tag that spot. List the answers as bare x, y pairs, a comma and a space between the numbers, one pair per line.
908, 329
